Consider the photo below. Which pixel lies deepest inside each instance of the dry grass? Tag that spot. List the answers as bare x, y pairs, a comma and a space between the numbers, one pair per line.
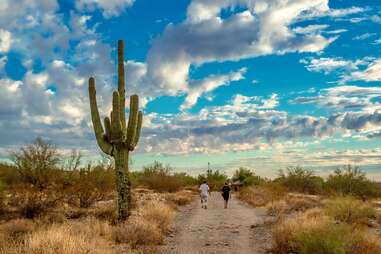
262, 195
319, 234
159, 214
68, 230
350, 210
181, 198
137, 232
292, 203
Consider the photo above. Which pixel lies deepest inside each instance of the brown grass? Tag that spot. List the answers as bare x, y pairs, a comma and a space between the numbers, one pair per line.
181, 198
262, 195
137, 232
322, 235
350, 210
292, 203
159, 214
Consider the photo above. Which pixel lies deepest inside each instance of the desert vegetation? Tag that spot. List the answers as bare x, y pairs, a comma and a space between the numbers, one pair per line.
51, 203
311, 214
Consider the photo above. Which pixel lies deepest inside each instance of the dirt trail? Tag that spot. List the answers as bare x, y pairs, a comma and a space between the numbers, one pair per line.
218, 230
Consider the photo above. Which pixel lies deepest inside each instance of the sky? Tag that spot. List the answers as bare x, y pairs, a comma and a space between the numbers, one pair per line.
263, 84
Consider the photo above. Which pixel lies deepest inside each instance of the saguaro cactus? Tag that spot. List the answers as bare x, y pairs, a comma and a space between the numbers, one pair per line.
118, 138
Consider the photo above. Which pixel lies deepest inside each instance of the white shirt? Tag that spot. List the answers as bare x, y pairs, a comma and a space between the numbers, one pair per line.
204, 188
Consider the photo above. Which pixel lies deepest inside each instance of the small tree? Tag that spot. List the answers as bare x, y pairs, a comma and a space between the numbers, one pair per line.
36, 163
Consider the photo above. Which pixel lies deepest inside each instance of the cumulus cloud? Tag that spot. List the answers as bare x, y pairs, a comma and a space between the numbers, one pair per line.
345, 98
261, 29
5, 41
110, 8
371, 73
367, 69
199, 87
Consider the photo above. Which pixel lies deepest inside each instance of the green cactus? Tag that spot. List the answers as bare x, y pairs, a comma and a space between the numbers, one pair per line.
118, 139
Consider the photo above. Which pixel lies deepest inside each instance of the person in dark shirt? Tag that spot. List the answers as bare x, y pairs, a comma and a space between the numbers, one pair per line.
225, 191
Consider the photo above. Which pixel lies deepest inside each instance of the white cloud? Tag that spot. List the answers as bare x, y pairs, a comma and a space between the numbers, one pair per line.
363, 36
327, 65
200, 87
367, 69
5, 41
377, 42
371, 73
261, 28
339, 98
110, 8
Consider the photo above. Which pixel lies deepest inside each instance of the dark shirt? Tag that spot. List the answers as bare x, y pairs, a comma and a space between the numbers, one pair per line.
225, 190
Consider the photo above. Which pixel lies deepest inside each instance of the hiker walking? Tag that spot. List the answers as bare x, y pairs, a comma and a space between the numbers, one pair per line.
204, 193
225, 192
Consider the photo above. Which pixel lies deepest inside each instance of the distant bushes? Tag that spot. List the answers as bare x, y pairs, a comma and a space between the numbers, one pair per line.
215, 179
246, 177
161, 178
301, 180
350, 180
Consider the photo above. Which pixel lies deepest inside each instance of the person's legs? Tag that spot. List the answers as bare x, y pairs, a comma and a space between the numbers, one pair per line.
226, 203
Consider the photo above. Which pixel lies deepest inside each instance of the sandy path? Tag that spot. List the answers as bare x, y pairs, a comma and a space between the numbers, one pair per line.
216, 230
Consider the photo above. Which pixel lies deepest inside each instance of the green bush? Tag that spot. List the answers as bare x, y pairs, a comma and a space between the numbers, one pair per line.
37, 163
327, 239
349, 210
301, 180
94, 184
160, 178
246, 177
350, 180
215, 179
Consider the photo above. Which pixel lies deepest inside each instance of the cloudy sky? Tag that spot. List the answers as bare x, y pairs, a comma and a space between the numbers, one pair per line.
258, 83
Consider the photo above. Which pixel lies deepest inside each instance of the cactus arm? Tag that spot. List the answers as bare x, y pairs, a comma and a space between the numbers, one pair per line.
132, 120
121, 84
138, 129
98, 129
116, 126
107, 124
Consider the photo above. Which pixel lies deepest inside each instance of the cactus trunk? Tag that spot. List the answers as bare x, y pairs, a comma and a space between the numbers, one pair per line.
118, 138
122, 183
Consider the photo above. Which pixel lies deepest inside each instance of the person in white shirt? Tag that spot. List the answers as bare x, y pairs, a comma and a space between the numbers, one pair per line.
204, 193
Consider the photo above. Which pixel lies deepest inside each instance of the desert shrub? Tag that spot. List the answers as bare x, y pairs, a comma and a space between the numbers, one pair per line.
246, 177
321, 235
215, 179
18, 228
349, 210
263, 194
180, 198
57, 239
300, 180
93, 184
9, 174
32, 203
185, 179
158, 213
291, 204
37, 163
350, 180
2, 196
138, 232
158, 177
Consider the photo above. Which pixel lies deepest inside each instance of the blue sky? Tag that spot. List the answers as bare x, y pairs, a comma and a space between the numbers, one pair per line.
255, 83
